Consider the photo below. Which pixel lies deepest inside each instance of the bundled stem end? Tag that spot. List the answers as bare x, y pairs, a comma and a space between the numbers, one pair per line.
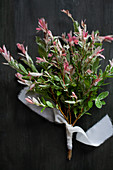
69, 154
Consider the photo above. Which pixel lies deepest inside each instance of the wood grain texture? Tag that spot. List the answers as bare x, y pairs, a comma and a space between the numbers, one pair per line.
27, 141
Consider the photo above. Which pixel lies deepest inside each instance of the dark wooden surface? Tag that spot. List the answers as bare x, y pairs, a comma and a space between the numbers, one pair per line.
27, 141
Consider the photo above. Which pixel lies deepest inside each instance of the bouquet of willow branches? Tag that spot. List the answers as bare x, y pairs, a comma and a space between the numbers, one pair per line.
68, 72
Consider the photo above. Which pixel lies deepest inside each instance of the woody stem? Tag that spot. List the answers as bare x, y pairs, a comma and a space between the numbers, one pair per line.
69, 113
78, 117
59, 106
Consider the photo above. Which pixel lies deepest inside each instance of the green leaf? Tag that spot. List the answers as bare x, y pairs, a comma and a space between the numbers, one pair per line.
90, 104
87, 83
56, 78
44, 85
103, 95
80, 43
103, 102
96, 64
109, 76
33, 68
54, 86
97, 44
22, 68
40, 41
73, 84
24, 60
79, 101
105, 84
21, 73
25, 77
53, 51
59, 93
98, 103
70, 102
107, 68
49, 104
68, 56
42, 52
76, 25
41, 47
57, 106
43, 101
75, 111
96, 32
67, 79
88, 113
111, 70
100, 72
15, 64
43, 109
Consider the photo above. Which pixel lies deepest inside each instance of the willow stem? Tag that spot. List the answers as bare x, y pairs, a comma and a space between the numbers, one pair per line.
63, 113
59, 107
78, 117
69, 113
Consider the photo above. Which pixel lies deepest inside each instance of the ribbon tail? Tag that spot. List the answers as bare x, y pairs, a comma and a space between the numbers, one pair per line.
98, 133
